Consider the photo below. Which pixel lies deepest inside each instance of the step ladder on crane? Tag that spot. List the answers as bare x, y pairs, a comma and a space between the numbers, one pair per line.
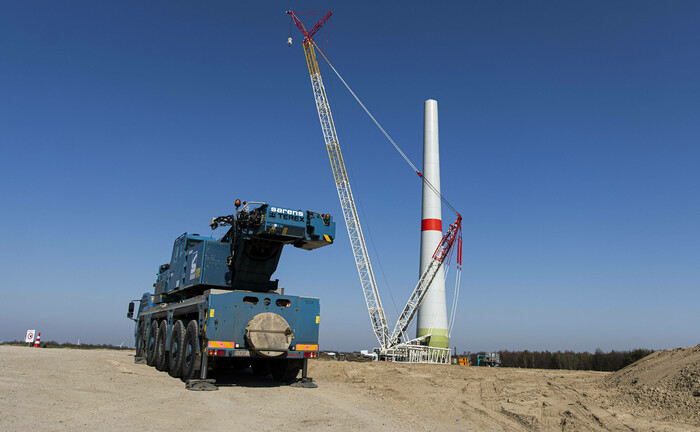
394, 345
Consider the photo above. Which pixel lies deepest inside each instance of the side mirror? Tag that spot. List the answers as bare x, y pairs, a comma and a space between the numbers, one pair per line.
130, 314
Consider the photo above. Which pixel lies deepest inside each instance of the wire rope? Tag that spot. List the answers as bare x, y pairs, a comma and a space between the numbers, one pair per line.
426, 182
458, 278
351, 175
398, 149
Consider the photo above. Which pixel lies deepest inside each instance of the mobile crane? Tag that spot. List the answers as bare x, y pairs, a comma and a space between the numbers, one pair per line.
215, 306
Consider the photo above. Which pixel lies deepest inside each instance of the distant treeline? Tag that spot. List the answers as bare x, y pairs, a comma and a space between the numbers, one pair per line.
598, 361
54, 344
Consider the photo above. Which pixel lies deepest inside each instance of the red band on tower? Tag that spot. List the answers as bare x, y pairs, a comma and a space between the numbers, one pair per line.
431, 225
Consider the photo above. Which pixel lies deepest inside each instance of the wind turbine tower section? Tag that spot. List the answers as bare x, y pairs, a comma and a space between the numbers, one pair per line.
432, 315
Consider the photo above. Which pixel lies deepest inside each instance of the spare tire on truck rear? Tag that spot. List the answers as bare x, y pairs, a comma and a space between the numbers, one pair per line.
269, 334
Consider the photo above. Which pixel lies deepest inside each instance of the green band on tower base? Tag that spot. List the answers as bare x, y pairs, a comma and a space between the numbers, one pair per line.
439, 338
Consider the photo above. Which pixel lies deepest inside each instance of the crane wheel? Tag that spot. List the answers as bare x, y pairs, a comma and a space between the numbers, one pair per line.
140, 340
240, 363
261, 367
161, 353
190, 348
286, 370
151, 343
177, 341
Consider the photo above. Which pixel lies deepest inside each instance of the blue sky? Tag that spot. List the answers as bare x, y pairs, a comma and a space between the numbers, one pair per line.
569, 136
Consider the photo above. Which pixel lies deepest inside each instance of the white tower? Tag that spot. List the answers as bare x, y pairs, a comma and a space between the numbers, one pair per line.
432, 315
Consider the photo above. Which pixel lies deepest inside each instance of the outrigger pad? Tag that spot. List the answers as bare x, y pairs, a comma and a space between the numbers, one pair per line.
201, 385
304, 383
139, 360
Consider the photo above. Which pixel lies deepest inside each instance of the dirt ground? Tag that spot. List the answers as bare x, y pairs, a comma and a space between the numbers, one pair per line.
103, 390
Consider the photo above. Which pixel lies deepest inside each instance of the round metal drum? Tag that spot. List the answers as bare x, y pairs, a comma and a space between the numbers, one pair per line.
269, 334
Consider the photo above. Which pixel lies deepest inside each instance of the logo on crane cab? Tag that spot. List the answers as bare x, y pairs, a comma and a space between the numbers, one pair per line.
287, 214
286, 211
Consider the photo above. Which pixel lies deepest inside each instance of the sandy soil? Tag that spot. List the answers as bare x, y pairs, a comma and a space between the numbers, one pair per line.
664, 385
62, 389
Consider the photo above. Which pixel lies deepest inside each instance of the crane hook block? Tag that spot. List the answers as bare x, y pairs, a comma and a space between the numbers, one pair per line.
289, 41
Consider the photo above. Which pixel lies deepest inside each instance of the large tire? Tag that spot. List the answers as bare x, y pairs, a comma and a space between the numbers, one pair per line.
177, 342
285, 370
144, 339
161, 353
240, 363
151, 344
190, 348
261, 367
140, 339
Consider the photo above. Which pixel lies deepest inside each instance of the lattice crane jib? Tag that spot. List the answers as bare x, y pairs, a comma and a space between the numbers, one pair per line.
342, 183
352, 220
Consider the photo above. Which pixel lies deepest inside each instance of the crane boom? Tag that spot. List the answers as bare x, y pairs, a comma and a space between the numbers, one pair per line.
342, 184
352, 220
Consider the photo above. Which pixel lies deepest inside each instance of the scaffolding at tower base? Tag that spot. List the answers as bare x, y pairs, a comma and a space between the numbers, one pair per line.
414, 351
405, 353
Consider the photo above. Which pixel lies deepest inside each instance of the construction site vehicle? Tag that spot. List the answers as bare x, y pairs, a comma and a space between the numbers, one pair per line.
461, 360
214, 305
488, 359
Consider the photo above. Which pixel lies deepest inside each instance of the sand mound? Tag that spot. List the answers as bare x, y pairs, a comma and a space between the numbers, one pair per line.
666, 383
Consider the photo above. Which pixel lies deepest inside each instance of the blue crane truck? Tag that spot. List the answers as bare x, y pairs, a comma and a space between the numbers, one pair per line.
215, 306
